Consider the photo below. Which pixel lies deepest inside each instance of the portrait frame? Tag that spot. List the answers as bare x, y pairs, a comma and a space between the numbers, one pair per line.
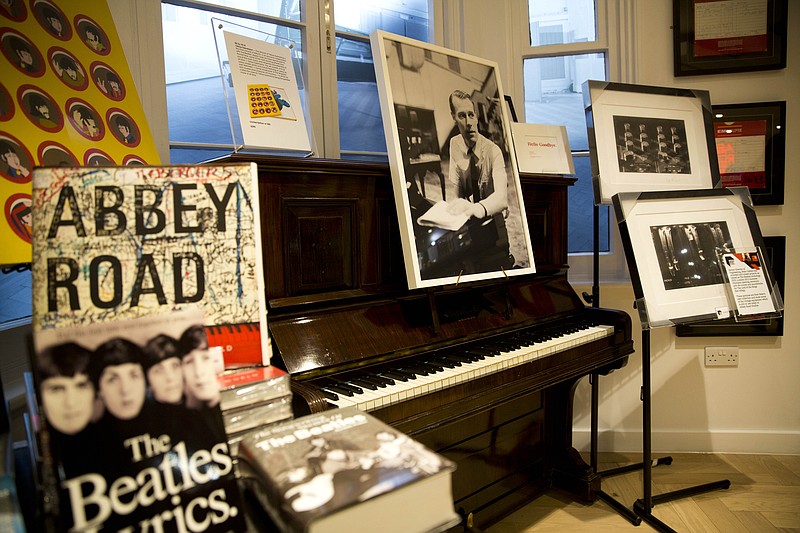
415, 82
645, 138
741, 131
775, 254
671, 288
725, 36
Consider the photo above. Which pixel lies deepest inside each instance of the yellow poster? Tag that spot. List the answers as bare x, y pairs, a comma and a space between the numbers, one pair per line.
67, 98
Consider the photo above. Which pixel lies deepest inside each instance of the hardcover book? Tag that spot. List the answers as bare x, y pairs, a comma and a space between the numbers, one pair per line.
112, 243
345, 470
132, 436
241, 387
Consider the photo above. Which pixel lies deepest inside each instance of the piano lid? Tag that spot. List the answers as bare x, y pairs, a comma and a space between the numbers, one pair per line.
338, 338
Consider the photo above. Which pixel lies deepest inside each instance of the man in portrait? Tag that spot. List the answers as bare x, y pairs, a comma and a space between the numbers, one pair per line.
478, 171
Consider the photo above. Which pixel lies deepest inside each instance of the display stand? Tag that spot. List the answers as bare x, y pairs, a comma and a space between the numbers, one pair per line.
267, 70
594, 377
643, 507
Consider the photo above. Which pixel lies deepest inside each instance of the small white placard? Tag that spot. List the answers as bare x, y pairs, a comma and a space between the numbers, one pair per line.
748, 284
270, 110
542, 148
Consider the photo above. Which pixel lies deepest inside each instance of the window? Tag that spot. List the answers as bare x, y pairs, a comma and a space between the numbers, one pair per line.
347, 121
563, 44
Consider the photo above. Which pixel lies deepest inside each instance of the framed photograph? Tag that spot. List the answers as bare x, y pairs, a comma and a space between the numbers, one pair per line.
671, 240
720, 36
646, 139
455, 179
751, 148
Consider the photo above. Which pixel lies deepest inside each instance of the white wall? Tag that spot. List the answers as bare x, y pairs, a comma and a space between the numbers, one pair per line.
756, 406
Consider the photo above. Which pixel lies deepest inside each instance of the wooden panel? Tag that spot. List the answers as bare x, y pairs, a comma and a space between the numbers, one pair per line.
320, 245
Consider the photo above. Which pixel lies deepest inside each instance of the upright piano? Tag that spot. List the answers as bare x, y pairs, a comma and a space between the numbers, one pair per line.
483, 373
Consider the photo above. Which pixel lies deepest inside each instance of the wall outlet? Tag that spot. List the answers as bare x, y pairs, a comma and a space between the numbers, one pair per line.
722, 356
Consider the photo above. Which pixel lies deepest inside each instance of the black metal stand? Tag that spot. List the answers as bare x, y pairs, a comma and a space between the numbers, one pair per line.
594, 378
643, 507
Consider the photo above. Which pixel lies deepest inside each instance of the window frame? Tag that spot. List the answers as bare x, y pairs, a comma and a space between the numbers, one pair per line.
614, 26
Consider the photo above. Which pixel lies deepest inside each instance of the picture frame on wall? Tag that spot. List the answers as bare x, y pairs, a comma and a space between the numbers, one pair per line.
671, 240
645, 138
455, 179
751, 148
775, 255
723, 36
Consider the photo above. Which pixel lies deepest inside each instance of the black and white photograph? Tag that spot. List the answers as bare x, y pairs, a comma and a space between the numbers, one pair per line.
121, 396
456, 182
687, 253
651, 145
671, 241
647, 138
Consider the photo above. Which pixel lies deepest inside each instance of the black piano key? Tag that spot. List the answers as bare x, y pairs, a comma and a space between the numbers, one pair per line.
380, 380
340, 390
352, 388
446, 362
360, 382
329, 394
433, 365
396, 374
417, 370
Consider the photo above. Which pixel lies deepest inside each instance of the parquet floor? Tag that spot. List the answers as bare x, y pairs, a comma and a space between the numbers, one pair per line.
764, 496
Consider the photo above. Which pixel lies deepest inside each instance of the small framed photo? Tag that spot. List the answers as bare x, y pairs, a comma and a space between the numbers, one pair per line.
751, 148
721, 36
775, 255
671, 241
455, 179
646, 139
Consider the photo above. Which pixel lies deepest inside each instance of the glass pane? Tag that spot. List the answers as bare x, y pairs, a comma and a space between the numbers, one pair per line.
286, 9
196, 110
581, 215
360, 124
561, 21
553, 92
403, 17
187, 156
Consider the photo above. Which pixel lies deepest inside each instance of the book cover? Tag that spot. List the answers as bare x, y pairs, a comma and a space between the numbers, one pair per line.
112, 243
132, 436
345, 470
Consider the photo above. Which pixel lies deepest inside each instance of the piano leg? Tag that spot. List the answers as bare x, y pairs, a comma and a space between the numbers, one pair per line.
569, 471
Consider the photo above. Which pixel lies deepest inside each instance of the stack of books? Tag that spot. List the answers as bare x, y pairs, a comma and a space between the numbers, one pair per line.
252, 399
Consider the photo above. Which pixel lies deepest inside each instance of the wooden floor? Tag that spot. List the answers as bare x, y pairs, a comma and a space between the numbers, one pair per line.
764, 496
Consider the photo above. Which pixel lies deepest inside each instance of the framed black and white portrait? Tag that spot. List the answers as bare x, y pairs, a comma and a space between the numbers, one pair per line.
455, 180
672, 240
644, 138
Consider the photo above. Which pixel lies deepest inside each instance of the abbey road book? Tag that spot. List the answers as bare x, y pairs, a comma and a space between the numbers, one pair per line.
345, 470
112, 243
131, 436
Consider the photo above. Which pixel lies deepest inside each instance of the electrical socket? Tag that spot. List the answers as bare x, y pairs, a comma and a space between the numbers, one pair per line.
722, 356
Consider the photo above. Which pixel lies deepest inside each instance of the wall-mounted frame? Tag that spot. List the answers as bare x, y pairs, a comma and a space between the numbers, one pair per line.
721, 36
461, 216
775, 254
751, 148
670, 240
644, 138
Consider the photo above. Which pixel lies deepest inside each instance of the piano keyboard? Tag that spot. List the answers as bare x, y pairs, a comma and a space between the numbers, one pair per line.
370, 391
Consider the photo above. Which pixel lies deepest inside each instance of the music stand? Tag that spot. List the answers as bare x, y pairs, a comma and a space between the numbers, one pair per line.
683, 240
594, 377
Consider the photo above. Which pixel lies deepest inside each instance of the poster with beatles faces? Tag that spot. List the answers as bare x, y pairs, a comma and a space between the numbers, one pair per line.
67, 98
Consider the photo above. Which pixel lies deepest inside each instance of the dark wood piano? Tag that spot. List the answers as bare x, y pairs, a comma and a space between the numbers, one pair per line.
483, 373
